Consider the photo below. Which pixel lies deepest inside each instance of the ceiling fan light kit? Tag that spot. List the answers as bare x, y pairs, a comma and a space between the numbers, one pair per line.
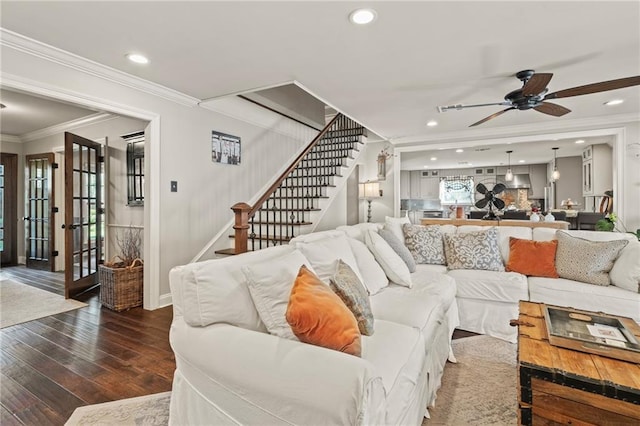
509, 175
534, 95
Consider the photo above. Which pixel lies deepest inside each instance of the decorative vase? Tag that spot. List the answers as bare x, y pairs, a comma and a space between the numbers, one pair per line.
535, 217
549, 217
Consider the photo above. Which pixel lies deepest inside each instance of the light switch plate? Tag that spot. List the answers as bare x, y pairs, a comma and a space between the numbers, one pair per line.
174, 186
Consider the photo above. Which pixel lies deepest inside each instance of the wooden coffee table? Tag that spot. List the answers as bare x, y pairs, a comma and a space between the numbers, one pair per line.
564, 386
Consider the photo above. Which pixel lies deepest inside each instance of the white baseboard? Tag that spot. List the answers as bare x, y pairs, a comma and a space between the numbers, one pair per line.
165, 300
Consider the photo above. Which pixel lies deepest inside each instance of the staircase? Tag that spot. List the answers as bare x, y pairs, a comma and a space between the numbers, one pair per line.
296, 199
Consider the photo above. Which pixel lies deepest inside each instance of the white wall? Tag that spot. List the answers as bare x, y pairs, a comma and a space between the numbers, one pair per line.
631, 154
570, 183
383, 206
185, 221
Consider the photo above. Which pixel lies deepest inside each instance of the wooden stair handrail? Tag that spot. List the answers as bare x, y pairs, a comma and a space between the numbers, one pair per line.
291, 167
244, 212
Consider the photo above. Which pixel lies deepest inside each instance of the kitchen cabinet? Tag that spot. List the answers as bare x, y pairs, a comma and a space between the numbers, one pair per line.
430, 188
538, 177
405, 184
414, 184
596, 170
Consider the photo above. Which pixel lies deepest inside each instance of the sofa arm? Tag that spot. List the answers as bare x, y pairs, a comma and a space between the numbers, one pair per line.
257, 378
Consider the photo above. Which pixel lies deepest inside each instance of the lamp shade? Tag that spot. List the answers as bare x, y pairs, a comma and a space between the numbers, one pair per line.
369, 190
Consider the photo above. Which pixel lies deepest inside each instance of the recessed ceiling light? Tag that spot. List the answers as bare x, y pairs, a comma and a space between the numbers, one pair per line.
362, 16
521, 161
459, 150
614, 102
137, 58
434, 158
580, 141
432, 123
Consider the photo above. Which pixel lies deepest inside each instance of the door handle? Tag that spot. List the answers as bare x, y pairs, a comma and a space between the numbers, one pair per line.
70, 226
26, 218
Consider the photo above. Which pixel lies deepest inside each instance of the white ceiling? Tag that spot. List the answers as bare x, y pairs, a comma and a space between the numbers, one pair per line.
390, 75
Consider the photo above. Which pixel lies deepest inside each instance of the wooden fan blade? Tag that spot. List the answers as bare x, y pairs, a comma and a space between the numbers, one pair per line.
492, 116
498, 188
482, 203
498, 203
552, 109
481, 188
536, 84
603, 86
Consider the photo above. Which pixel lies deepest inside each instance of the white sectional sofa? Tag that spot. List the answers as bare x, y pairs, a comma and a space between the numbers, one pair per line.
231, 370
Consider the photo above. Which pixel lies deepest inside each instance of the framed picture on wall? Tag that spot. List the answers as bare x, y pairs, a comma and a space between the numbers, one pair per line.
225, 148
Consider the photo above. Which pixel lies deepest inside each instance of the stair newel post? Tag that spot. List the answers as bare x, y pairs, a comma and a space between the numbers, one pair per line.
241, 211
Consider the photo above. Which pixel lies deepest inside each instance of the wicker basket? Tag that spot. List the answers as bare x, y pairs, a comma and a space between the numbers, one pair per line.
121, 288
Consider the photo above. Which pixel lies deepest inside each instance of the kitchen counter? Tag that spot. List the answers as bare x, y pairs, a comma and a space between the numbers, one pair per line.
558, 224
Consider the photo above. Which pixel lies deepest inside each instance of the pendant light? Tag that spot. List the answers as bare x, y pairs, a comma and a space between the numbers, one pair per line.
509, 175
556, 174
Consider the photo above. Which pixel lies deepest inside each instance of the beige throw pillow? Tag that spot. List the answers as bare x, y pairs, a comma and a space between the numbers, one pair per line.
474, 250
586, 261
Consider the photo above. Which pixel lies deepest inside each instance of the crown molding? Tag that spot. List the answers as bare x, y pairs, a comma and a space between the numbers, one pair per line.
10, 138
69, 125
526, 129
36, 48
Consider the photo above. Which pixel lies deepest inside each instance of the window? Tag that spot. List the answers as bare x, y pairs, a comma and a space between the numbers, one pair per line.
135, 168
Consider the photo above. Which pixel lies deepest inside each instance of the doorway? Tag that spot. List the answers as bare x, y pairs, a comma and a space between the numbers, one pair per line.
8, 209
40, 212
83, 222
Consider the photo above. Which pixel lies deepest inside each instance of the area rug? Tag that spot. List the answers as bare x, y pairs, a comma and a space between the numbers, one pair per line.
21, 303
481, 388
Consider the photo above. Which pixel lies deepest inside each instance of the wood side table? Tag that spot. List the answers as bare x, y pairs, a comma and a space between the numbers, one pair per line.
564, 386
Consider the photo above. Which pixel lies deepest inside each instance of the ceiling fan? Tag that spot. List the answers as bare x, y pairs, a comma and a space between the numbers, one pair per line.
533, 95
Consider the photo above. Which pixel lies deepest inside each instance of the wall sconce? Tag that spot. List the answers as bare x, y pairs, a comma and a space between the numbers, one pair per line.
556, 174
368, 191
509, 175
382, 164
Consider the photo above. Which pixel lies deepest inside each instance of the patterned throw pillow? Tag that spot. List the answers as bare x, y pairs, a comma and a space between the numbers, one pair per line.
347, 286
399, 247
425, 243
474, 250
586, 261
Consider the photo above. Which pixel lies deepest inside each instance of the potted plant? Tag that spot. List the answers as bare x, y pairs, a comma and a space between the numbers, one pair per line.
121, 278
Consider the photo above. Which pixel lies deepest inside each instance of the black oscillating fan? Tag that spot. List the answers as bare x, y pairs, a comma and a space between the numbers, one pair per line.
490, 199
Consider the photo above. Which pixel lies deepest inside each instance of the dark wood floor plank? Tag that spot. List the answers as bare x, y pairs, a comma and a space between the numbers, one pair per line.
80, 386
47, 391
8, 419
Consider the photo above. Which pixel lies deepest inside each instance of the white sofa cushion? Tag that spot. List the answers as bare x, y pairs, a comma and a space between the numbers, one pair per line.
358, 230
374, 278
505, 232
626, 270
393, 266
400, 305
394, 224
490, 285
324, 253
215, 291
270, 286
441, 269
397, 353
563, 292
433, 282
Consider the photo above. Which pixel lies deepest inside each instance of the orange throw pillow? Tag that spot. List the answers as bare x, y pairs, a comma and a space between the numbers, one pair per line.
318, 316
533, 258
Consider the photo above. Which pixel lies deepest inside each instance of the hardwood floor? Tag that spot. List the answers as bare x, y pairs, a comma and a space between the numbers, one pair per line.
51, 366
